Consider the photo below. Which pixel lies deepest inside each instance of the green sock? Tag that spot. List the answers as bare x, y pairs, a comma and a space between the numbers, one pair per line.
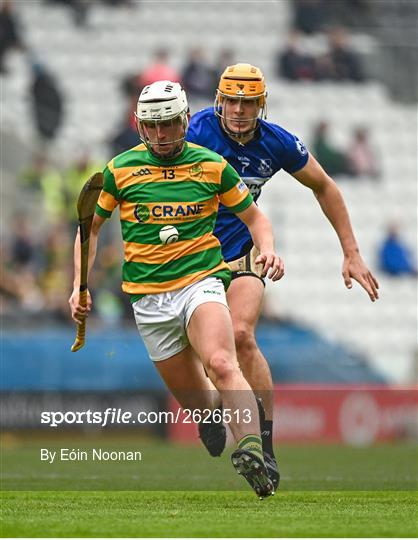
252, 443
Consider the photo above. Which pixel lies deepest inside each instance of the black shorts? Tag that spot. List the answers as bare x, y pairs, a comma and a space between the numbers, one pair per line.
245, 266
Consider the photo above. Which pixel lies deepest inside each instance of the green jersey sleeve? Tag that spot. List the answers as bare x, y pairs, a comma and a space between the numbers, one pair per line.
109, 196
234, 193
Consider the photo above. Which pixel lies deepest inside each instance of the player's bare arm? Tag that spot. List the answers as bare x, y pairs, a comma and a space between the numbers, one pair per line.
262, 235
78, 312
333, 206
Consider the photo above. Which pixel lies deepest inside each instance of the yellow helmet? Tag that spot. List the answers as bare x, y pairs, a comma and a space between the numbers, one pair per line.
241, 81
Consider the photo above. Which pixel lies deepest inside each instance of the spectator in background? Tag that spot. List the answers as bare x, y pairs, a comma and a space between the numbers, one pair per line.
340, 63
10, 35
158, 70
333, 160
23, 249
132, 85
43, 181
293, 63
122, 3
31, 177
75, 176
199, 80
111, 303
360, 156
351, 13
310, 16
59, 188
129, 85
80, 10
126, 137
55, 278
226, 57
47, 103
395, 257
21, 262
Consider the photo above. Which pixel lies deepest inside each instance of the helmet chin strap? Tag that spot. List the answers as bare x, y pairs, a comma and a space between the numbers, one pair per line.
241, 136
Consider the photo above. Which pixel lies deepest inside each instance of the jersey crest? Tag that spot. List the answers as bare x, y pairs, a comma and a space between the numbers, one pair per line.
265, 168
272, 149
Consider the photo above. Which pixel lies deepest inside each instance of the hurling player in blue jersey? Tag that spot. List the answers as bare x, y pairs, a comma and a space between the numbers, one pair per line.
236, 128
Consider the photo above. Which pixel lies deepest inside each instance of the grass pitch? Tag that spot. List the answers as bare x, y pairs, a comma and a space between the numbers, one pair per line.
325, 491
209, 514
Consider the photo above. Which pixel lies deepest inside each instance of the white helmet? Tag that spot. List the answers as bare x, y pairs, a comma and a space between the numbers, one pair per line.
162, 101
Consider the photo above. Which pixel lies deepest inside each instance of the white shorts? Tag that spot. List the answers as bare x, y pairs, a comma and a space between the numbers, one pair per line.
162, 318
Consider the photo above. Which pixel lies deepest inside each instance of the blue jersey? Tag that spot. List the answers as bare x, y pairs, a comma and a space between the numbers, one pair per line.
272, 148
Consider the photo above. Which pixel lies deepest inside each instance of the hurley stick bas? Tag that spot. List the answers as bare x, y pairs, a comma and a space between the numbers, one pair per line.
85, 208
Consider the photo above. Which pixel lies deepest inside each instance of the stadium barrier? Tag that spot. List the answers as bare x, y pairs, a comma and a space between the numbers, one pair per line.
357, 415
350, 414
84, 411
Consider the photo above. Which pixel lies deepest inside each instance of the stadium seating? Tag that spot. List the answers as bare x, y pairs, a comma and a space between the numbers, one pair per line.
90, 63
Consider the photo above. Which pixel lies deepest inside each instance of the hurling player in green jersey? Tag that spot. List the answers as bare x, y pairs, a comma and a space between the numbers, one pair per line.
168, 192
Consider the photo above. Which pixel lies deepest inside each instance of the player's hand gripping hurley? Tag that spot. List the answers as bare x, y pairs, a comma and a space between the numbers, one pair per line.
85, 207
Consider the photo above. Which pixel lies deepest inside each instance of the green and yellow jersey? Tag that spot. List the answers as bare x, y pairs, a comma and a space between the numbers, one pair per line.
184, 192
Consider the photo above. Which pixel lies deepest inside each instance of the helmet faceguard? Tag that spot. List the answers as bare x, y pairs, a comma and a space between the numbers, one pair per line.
241, 82
162, 106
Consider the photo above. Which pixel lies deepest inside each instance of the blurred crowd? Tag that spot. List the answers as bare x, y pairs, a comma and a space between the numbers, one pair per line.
37, 261
337, 62
37, 268
358, 160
